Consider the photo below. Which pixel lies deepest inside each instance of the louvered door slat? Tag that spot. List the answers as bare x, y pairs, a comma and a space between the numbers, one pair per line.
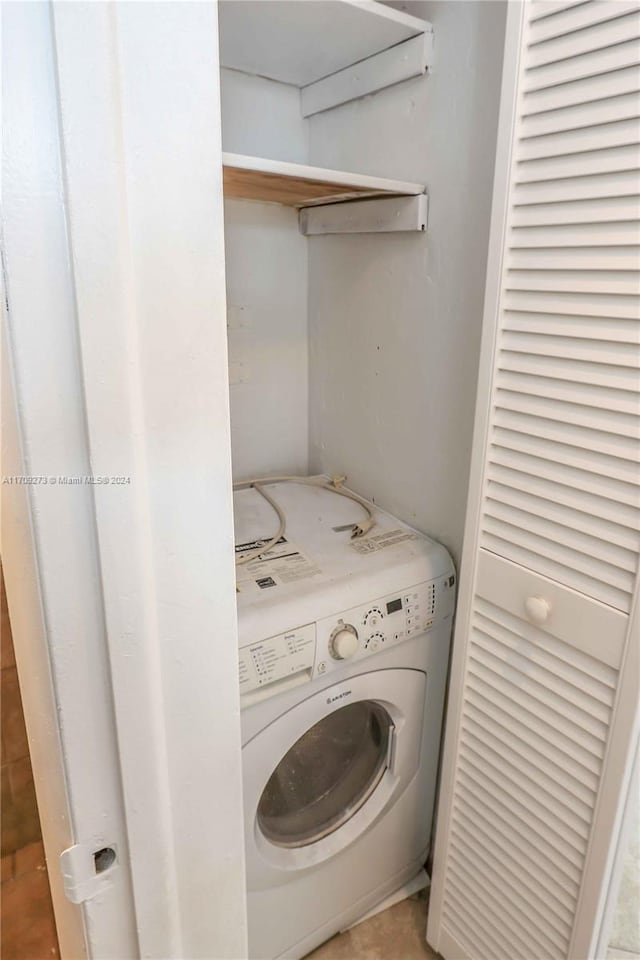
565, 516
577, 304
624, 107
595, 352
548, 8
579, 328
529, 844
572, 392
612, 159
539, 801
512, 805
586, 40
521, 396
587, 90
607, 233
490, 685
539, 921
586, 136
544, 466
612, 210
594, 64
567, 258
623, 283
564, 22
492, 835
620, 262
500, 870
618, 456
615, 558
504, 721
477, 919
533, 760
554, 527
622, 183
557, 489
620, 376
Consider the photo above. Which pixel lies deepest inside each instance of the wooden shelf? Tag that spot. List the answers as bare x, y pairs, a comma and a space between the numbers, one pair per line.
304, 41
296, 185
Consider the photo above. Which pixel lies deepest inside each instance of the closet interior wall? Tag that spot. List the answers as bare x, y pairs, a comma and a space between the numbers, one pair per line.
267, 289
359, 354
395, 321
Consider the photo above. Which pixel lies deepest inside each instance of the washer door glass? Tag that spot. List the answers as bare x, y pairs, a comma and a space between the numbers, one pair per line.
326, 776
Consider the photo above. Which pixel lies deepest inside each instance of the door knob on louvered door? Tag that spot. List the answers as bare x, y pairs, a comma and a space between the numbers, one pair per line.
537, 609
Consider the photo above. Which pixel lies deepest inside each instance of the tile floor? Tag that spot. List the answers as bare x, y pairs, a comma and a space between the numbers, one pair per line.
396, 934
29, 933
28, 930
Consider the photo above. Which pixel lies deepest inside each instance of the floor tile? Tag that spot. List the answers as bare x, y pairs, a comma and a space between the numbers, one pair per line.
7, 656
7, 867
19, 821
29, 858
14, 735
28, 928
625, 932
395, 934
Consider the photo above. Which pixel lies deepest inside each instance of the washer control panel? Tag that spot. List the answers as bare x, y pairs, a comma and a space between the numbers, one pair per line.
278, 658
376, 626
299, 655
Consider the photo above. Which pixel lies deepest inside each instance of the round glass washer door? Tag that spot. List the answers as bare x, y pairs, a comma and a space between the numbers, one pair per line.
326, 776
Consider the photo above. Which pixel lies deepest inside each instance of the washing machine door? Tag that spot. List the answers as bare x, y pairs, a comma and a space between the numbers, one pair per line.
317, 777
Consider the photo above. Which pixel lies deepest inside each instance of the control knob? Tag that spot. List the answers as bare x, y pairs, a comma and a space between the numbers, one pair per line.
343, 642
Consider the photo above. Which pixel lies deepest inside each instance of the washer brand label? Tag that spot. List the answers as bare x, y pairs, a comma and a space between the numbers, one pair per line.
339, 696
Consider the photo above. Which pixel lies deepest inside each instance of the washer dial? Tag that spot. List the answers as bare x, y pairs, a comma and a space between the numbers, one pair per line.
374, 642
373, 617
343, 642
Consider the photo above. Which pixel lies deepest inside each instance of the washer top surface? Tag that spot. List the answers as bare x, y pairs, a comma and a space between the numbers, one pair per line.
318, 570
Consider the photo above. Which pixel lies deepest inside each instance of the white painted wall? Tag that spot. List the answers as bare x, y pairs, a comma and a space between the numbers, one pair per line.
266, 263
266, 260
395, 322
262, 118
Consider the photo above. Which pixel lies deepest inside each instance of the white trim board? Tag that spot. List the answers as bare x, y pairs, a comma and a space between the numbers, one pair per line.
377, 215
301, 43
409, 59
164, 537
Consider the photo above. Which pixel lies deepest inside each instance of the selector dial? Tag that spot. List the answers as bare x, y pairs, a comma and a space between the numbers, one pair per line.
343, 642
373, 617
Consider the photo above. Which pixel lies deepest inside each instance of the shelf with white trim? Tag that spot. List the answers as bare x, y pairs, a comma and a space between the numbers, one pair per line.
334, 50
298, 185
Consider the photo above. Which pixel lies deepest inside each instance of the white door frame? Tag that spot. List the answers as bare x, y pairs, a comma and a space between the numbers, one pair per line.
113, 231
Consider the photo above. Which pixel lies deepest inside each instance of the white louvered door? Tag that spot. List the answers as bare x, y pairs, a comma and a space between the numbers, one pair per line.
544, 683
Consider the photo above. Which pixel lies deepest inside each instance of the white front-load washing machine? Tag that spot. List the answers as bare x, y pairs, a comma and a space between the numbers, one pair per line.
344, 648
